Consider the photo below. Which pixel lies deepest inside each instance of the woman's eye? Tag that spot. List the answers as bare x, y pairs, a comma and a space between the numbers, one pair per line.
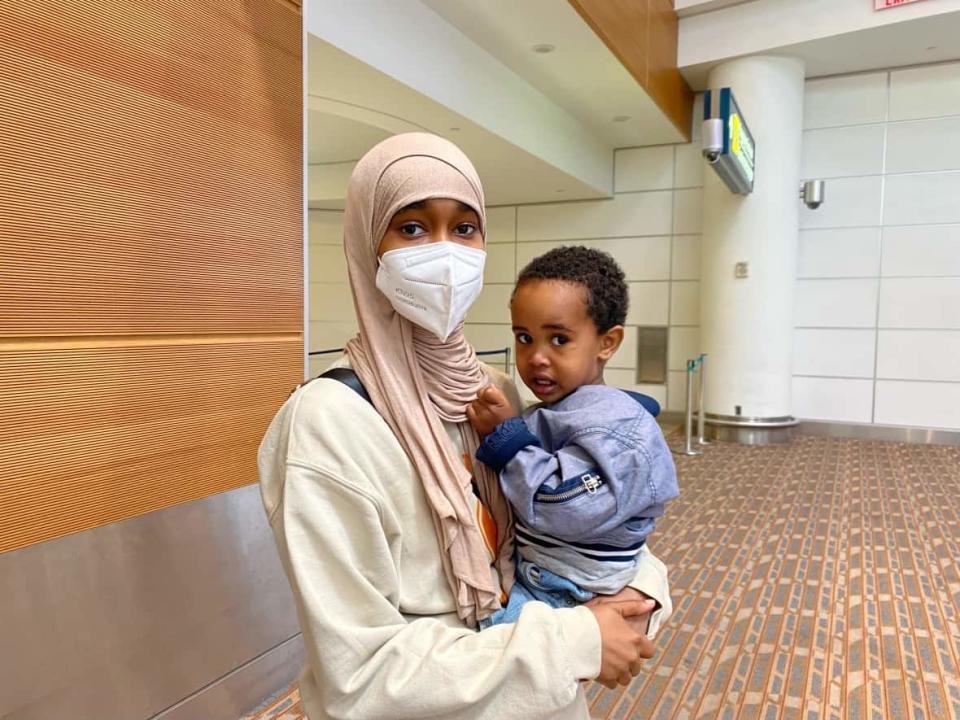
524, 339
559, 340
411, 229
465, 229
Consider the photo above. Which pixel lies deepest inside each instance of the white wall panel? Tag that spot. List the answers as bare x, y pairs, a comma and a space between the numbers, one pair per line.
685, 303
919, 199
832, 399
330, 335
689, 164
850, 202
642, 258
493, 305
842, 152
923, 146
325, 227
499, 267
327, 263
501, 224
626, 215
850, 100
677, 391
918, 404
932, 303
846, 252
836, 303
490, 337
834, 353
925, 92
626, 356
649, 302
331, 302
919, 355
683, 344
925, 250
687, 211
686, 257
648, 168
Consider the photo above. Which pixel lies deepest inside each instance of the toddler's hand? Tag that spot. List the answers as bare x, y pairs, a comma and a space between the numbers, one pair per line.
489, 410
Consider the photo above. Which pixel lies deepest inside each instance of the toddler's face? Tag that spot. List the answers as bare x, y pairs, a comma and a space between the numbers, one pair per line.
558, 347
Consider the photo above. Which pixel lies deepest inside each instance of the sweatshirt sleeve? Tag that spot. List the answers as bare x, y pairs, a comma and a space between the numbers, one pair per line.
368, 660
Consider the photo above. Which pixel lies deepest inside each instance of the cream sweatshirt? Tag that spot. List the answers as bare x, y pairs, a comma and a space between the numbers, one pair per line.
356, 537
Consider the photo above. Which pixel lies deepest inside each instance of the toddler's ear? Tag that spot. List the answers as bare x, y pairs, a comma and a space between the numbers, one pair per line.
610, 342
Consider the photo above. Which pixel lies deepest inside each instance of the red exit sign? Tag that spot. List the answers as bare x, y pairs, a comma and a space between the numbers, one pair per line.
885, 4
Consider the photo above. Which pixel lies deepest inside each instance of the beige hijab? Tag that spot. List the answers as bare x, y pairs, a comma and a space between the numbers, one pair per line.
415, 381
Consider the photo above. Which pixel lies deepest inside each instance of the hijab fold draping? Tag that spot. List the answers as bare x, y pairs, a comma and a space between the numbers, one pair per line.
417, 382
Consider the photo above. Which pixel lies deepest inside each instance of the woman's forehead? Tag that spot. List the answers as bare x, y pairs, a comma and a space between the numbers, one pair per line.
426, 203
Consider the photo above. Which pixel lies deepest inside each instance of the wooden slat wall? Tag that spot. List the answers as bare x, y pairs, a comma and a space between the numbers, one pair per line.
643, 36
151, 244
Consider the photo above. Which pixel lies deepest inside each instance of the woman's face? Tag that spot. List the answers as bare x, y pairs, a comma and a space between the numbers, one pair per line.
431, 221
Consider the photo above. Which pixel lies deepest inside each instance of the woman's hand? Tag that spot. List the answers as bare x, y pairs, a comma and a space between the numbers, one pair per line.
640, 623
622, 648
489, 410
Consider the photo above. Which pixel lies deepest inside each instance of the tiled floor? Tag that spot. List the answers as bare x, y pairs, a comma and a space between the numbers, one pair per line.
815, 580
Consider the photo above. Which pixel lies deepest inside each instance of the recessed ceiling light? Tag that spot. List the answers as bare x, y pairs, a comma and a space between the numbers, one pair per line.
621, 118
544, 48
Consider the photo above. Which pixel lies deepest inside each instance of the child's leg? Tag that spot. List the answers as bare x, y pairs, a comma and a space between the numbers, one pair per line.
535, 583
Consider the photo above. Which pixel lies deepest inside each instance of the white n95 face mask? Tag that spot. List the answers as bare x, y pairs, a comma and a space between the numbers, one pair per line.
432, 285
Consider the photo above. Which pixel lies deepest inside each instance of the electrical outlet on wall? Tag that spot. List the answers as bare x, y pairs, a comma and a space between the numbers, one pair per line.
741, 270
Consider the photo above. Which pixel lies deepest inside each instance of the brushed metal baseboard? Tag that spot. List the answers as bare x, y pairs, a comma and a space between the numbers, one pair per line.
241, 690
889, 433
129, 619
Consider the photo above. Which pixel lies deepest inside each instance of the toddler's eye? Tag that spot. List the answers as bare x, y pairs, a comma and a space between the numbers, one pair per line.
523, 338
559, 340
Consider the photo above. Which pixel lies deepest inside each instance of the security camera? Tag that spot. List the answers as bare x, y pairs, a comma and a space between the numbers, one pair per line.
812, 192
712, 139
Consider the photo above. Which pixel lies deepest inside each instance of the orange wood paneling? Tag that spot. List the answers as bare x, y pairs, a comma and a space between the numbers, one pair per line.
151, 252
665, 84
91, 436
642, 34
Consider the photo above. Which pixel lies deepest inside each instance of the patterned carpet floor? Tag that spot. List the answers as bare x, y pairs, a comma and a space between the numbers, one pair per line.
819, 579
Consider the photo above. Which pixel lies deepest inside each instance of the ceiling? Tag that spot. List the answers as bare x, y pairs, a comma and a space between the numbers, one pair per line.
542, 126
351, 106
580, 74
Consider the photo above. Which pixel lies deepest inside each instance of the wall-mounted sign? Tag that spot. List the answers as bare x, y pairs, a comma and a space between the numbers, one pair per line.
885, 4
727, 142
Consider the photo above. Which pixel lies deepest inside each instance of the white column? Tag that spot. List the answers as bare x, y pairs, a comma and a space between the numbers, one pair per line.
747, 323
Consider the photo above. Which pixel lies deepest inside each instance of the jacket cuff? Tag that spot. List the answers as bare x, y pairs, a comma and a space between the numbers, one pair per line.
581, 636
507, 439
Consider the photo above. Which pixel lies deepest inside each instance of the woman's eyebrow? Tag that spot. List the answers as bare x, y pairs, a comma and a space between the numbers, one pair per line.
419, 205
464, 207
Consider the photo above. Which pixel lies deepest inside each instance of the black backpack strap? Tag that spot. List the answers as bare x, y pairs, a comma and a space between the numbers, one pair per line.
349, 378
344, 375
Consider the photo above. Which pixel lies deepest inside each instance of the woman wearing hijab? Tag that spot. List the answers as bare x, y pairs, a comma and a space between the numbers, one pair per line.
396, 544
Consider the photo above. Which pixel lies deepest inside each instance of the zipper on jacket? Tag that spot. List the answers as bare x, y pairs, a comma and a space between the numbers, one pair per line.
589, 484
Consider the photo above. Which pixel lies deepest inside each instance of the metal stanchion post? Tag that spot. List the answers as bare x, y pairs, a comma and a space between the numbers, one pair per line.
688, 448
701, 439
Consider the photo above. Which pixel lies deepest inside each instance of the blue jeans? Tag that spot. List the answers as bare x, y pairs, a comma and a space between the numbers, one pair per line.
535, 583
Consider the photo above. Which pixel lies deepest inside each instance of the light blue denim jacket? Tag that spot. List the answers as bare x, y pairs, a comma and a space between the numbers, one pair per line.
587, 477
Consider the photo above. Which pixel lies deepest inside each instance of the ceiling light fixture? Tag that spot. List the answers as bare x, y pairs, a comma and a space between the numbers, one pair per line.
543, 48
